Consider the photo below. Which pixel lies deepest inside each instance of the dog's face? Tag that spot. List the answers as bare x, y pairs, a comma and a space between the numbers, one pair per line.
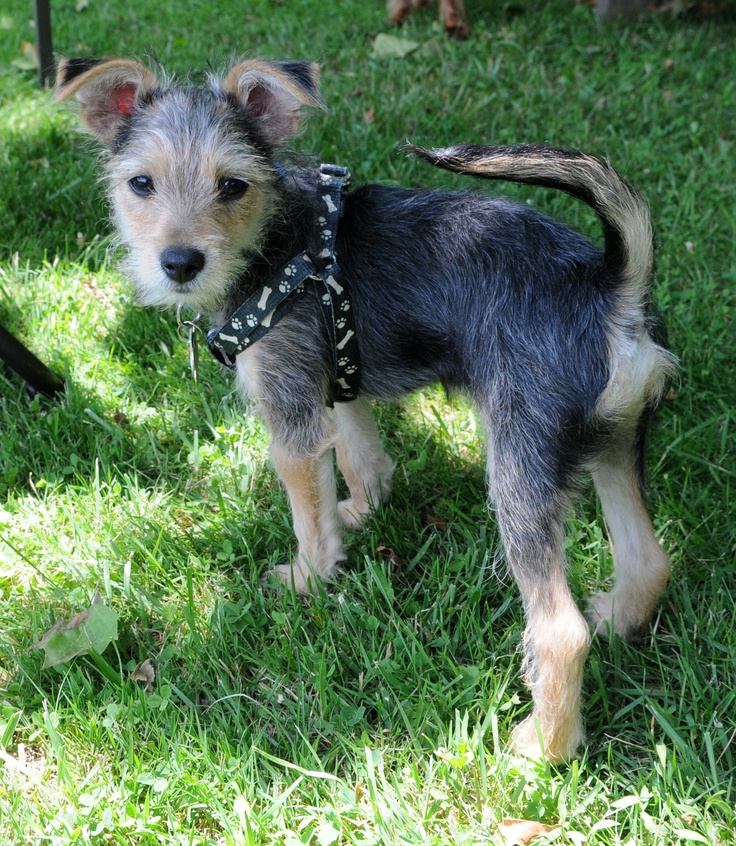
190, 169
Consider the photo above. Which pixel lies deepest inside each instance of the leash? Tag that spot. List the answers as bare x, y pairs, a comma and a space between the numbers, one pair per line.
263, 310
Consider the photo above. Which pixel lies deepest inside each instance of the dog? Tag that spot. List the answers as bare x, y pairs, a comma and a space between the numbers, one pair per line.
552, 338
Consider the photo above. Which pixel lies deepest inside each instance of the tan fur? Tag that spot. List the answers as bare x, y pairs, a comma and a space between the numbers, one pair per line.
642, 566
557, 641
310, 483
259, 85
362, 460
191, 216
94, 89
451, 12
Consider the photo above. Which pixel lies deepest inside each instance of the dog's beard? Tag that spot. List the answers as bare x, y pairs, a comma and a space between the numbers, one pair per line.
204, 293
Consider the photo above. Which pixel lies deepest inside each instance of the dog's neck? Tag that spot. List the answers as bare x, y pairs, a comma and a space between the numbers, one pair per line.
269, 288
291, 230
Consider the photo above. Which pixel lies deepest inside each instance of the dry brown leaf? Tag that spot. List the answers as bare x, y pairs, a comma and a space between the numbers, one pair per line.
436, 522
521, 832
145, 673
397, 563
28, 58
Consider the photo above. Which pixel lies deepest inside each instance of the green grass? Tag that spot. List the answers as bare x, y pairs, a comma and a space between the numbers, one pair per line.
379, 712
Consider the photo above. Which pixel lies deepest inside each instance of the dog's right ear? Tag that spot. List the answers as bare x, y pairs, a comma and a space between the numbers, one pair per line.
108, 91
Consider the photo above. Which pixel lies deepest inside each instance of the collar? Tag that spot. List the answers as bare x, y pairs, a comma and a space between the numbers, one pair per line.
263, 310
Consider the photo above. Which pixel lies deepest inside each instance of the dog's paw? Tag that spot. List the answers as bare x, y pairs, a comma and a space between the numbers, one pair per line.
291, 574
351, 515
599, 614
300, 577
562, 745
608, 614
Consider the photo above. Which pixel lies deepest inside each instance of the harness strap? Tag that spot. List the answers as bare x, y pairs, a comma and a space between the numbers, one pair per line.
251, 320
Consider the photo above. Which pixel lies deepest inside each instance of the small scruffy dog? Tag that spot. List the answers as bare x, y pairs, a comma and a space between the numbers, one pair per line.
550, 337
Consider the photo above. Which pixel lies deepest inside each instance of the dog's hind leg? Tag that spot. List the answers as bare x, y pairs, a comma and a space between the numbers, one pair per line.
642, 566
362, 460
530, 508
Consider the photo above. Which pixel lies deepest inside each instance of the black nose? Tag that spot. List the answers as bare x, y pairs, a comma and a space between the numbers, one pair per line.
182, 263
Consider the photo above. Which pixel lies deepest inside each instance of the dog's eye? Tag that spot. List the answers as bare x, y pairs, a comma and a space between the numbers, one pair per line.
232, 188
142, 185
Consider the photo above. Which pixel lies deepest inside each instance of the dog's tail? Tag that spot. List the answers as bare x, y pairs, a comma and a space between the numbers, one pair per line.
623, 214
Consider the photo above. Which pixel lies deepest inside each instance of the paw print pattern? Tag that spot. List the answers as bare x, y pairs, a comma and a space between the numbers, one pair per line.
346, 365
345, 305
290, 270
251, 320
236, 324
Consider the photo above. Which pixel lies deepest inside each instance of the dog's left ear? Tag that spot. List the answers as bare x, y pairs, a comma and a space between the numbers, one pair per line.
275, 94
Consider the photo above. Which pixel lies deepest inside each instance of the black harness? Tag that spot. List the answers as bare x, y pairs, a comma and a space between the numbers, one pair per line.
266, 307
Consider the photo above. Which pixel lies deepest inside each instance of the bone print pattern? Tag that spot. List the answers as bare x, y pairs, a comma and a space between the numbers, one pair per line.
268, 305
259, 312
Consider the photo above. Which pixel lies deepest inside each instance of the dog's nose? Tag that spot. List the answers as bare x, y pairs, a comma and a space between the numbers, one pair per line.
182, 263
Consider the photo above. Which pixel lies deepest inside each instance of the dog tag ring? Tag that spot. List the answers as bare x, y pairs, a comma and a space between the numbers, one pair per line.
193, 332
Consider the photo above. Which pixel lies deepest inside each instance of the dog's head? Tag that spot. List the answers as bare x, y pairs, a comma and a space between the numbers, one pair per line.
190, 168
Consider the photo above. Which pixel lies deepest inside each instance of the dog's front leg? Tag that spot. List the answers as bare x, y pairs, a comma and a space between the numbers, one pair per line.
310, 484
362, 460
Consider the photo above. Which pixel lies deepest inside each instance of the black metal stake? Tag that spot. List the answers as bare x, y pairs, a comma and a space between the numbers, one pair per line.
44, 44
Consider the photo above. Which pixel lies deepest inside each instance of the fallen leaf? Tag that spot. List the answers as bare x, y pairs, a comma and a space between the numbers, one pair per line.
369, 115
28, 59
392, 46
92, 286
145, 673
91, 630
397, 563
521, 832
436, 522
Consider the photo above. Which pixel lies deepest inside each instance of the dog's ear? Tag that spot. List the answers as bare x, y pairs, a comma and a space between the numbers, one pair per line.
108, 91
274, 94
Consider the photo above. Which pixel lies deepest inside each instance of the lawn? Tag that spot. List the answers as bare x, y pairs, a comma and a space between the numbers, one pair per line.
379, 712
